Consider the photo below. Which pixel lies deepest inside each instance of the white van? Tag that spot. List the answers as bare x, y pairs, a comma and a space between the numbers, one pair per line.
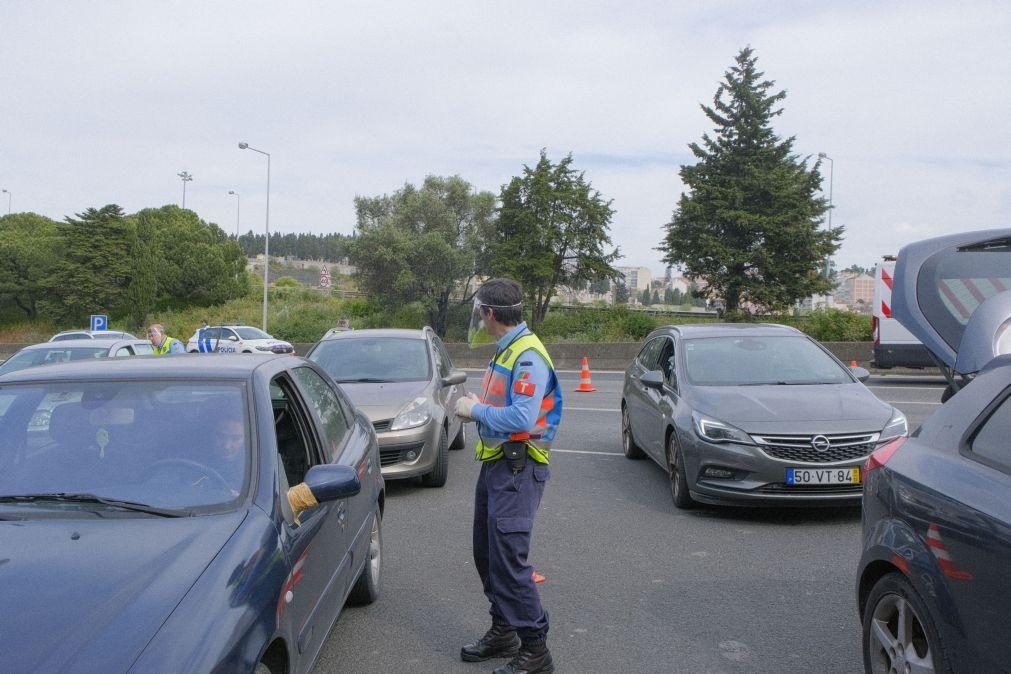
894, 346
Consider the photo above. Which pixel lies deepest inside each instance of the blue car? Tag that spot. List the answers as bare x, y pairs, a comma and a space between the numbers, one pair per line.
932, 585
182, 515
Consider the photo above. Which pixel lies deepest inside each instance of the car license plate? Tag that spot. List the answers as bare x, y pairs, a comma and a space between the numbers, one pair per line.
798, 476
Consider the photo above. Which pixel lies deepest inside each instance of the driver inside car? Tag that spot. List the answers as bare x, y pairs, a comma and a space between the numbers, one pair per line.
228, 452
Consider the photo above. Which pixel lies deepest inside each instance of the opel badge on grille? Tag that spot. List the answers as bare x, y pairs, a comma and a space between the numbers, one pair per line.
820, 443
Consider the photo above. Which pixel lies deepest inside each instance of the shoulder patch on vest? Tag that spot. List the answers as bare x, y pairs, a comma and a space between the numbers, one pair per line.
524, 388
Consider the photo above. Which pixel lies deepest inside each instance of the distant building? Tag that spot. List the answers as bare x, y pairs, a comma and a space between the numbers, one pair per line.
636, 278
855, 290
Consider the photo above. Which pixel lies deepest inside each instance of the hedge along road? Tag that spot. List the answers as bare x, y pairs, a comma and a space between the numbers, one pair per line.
633, 585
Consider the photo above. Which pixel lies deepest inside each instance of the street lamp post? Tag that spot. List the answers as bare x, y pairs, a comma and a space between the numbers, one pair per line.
10, 197
185, 177
831, 175
266, 240
238, 208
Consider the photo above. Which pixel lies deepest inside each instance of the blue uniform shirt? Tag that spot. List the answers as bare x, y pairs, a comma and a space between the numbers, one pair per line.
521, 415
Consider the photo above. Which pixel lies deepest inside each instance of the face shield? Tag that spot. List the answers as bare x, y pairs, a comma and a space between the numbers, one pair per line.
477, 332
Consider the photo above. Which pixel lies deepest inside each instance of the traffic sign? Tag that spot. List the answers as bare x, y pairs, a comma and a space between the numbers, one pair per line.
324, 277
99, 322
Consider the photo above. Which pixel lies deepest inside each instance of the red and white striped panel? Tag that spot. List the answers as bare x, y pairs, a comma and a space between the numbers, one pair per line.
962, 296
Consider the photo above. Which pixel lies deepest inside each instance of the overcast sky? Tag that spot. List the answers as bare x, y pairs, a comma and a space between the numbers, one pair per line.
106, 102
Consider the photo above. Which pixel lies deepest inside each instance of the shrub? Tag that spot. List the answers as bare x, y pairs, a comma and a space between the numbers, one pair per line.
836, 325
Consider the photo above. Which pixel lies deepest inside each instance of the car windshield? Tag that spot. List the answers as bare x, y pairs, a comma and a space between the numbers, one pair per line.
252, 333
755, 361
376, 359
167, 444
112, 334
62, 337
56, 354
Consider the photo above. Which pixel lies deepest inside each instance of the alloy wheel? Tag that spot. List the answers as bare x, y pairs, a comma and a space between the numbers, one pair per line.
898, 638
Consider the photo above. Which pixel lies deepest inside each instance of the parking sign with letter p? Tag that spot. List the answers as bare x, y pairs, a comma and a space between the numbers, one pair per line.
99, 322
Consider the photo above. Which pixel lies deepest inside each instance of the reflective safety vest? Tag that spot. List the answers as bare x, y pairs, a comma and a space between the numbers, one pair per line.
165, 346
497, 391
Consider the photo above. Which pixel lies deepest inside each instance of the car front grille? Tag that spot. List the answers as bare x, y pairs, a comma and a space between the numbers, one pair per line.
801, 448
383, 425
390, 456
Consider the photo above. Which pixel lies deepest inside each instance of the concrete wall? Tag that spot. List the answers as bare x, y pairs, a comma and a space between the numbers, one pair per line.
601, 355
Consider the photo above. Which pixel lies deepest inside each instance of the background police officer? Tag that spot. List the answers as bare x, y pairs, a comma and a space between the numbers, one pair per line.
162, 343
517, 416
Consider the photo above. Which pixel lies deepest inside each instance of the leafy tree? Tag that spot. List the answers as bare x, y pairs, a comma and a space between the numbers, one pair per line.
645, 298
621, 295
552, 231
749, 224
423, 244
677, 297
96, 267
195, 262
29, 246
656, 297
668, 296
600, 286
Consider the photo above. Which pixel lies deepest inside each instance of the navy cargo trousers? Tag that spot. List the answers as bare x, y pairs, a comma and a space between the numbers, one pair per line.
504, 507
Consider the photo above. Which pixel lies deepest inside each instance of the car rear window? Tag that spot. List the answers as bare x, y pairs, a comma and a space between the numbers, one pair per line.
991, 441
953, 282
374, 359
33, 357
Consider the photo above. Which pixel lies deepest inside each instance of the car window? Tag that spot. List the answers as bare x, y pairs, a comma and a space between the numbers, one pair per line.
210, 333
328, 408
227, 334
123, 351
374, 359
647, 357
442, 359
71, 335
665, 362
749, 360
143, 349
170, 444
993, 439
954, 281
293, 431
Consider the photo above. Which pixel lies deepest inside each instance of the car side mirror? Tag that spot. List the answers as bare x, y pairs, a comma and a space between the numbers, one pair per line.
454, 378
860, 373
325, 482
233, 338
652, 379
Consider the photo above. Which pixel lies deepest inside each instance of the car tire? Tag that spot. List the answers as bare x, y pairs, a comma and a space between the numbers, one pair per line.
677, 474
366, 588
460, 441
628, 446
437, 478
891, 598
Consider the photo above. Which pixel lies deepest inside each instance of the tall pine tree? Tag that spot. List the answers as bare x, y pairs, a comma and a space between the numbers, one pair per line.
748, 227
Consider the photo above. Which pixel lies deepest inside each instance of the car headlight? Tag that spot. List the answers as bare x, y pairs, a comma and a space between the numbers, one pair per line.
714, 430
897, 427
415, 413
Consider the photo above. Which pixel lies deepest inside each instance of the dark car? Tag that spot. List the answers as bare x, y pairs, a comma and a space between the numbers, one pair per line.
145, 523
404, 380
752, 414
933, 589
932, 586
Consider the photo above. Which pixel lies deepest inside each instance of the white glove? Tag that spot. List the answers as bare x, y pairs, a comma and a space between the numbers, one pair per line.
465, 406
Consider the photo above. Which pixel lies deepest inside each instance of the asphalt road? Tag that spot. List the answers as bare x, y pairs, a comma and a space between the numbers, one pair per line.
633, 585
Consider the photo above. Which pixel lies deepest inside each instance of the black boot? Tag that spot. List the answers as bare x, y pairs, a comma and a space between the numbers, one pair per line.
500, 641
533, 658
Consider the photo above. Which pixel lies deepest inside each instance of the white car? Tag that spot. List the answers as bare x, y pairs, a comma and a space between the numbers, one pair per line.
236, 339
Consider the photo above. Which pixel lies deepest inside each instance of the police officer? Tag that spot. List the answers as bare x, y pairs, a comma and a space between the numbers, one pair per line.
162, 343
517, 416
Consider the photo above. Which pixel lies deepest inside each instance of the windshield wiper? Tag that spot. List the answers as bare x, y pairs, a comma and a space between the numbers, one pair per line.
67, 497
363, 380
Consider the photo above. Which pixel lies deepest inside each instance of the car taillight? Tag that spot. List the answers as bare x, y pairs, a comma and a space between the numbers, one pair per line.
882, 454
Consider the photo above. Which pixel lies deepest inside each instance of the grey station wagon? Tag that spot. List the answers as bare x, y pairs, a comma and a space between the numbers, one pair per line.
752, 414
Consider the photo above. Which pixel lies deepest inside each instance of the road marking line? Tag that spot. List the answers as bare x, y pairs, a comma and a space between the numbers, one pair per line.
939, 387
911, 402
583, 451
566, 408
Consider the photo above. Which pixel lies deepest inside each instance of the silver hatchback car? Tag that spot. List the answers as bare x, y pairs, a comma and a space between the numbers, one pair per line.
752, 414
405, 382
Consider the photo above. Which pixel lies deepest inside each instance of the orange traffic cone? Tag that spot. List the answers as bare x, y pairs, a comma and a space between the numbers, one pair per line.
585, 385
853, 363
538, 578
